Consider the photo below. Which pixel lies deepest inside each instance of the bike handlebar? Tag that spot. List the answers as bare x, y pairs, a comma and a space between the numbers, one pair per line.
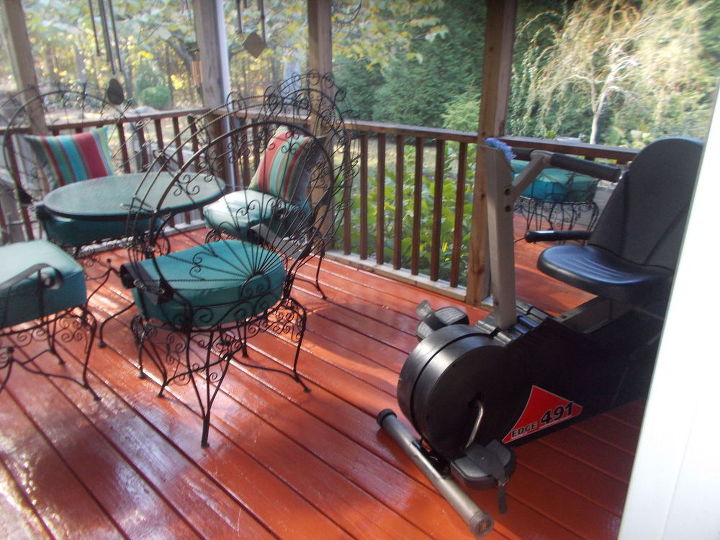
581, 166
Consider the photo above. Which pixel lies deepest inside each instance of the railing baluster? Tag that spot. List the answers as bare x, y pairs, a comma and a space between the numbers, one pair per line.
176, 138
437, 210
193, 133
347, 198
398, 224
159, 135
256, 147
380, 201
123, 148
15, 170
177, 153
417, 206
145, 160
364, 196
459, 215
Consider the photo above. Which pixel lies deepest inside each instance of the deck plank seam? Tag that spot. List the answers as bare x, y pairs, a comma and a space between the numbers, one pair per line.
109, 388
61, 457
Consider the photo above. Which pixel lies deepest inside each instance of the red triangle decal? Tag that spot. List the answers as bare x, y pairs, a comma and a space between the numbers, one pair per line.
542, 410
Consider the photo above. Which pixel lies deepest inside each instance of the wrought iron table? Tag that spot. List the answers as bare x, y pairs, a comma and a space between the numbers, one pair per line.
113, 207
112, 198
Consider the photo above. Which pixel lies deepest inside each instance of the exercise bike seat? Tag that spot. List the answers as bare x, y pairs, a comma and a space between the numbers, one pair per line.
632, 253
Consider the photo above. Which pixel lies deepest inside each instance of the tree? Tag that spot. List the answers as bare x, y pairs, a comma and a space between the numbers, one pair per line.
639, 59
437, 68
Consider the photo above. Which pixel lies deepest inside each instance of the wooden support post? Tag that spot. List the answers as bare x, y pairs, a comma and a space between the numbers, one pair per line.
214, 64
497, 67
21, 57
320, 60
320, 35
212, 45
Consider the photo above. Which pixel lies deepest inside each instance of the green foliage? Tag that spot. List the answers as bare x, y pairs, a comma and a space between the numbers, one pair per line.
461, 113
157, 97
618, 72
425, 212
419, 84
360, 79
146, 78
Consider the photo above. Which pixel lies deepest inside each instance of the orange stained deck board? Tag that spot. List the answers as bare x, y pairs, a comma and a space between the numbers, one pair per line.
284, 463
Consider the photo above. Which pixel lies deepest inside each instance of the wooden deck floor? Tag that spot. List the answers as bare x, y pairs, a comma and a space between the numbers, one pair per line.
283, 463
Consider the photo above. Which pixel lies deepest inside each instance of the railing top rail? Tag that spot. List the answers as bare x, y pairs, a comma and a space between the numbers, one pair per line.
364, 126
128, 117
589, 151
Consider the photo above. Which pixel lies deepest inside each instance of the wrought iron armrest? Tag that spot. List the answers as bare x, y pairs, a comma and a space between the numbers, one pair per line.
291, 246
48, 280
134, 276
556, 236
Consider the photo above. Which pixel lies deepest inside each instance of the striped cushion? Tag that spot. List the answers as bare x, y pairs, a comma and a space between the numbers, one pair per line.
285, 166
71, 158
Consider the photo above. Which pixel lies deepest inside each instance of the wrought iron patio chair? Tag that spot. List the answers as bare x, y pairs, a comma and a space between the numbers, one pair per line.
559, 199
266, 192
199, 304
43, 309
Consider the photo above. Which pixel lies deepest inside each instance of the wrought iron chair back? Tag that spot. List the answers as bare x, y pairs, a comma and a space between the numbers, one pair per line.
200, 303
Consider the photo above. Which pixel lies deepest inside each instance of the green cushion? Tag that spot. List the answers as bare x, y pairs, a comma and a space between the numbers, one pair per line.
71, 158
28, 300
237, 212
78, 232
286, 165
215, 283
558, 185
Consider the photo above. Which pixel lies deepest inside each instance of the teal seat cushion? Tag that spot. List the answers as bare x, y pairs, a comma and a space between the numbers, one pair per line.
28, 300
558, 185
80, 232
236, 213
215, 283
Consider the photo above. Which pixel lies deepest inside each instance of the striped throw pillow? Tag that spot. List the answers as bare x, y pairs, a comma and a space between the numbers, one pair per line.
286, 165
71, 158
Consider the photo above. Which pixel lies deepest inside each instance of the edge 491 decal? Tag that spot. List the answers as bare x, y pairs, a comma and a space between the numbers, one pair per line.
542, 410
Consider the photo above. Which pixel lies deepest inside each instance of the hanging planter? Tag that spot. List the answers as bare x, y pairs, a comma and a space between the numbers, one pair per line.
254, 44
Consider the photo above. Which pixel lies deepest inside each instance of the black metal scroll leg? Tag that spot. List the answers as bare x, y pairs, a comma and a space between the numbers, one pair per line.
317, 274
213, 380
88, 320
302, 314
101, 332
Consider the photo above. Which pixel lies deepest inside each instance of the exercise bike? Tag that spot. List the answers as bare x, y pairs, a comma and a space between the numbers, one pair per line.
474, 391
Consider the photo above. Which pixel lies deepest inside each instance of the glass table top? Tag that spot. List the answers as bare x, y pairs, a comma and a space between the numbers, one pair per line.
114, 197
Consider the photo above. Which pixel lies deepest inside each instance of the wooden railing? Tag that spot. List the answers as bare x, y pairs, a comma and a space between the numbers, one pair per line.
412, 196
414, 200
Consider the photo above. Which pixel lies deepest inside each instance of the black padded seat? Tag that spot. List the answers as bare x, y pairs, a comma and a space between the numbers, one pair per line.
603, 273
632, 253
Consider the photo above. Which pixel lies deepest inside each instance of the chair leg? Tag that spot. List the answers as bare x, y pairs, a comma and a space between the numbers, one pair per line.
6, 363
175, 354
70, 326
101, 330
90, 321
317, 275
301, 314
141, 330
208, 375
